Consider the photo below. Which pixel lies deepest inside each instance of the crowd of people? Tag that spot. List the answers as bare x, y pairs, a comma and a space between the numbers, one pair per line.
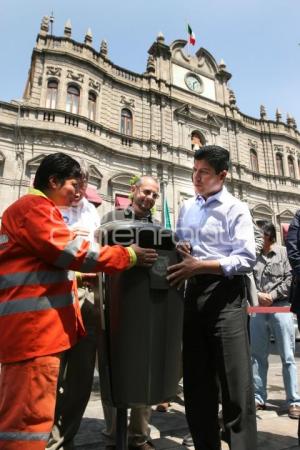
48, 321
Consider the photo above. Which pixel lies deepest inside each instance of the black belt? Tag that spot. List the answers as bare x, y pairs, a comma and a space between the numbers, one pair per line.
214, 277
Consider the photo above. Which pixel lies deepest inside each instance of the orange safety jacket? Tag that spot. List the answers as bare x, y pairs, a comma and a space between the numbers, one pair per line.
39, 310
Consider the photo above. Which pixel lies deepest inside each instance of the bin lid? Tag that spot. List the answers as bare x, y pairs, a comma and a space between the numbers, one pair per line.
143, 233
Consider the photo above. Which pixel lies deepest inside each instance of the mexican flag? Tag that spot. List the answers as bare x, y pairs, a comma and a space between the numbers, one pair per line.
167, 218
192, 37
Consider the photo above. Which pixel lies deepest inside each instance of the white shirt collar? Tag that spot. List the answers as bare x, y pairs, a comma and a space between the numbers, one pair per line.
219, 196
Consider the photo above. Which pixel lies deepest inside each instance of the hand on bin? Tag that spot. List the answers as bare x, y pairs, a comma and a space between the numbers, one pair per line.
188, 267
185, 247
145, 256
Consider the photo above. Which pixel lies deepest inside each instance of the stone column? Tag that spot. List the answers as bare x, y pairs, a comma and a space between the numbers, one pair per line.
285, 166
83, 101
296, 166
163, 104
152, 116
62, 93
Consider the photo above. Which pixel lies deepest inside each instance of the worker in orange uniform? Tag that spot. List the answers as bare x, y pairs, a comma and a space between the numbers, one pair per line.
39, 311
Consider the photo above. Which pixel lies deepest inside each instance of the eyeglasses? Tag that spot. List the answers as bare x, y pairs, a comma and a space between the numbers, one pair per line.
148, 192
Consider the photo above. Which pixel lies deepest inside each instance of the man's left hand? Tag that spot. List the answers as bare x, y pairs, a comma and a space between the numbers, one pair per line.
264, 299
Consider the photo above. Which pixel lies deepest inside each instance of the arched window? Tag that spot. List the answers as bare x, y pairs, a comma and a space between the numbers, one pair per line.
126, 122
254, 161
73, 95
92, 105
279, 164
291, 167
51, 94
197, 140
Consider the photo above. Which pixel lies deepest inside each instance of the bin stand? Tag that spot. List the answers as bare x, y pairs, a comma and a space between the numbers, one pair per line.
121, 429
121, 425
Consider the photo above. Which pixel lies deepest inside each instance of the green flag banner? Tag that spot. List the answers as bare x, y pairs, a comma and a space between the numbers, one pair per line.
167, 217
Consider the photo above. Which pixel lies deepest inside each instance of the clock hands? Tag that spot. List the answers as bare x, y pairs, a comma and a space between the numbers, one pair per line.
193, 83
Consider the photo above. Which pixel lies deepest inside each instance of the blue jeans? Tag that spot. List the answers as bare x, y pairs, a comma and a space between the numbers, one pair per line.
282, 327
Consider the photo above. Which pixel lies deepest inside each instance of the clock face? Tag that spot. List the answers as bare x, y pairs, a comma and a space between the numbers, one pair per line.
194, 83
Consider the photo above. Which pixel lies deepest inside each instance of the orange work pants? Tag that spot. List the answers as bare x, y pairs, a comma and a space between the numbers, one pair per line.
27, 402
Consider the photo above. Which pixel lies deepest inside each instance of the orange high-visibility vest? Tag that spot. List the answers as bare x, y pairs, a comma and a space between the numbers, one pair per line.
39, 311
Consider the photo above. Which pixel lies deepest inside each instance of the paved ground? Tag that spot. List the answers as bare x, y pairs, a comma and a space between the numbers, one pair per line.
276, 431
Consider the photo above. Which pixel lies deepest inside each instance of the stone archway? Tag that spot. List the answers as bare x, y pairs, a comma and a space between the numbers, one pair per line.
262, 213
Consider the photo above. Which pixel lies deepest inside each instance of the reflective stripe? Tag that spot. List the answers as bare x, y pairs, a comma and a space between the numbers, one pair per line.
91, 258
23, 436
39, 277
35, 304
69, 252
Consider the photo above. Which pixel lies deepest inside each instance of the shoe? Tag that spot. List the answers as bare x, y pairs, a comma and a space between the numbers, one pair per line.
294, 411
188, 441
260, 406
145, 446
163, 407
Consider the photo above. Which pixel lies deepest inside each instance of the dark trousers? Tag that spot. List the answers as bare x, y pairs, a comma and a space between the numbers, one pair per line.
74, 384
216, 352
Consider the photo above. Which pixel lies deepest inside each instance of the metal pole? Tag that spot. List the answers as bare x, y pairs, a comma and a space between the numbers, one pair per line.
51, 18
162, 188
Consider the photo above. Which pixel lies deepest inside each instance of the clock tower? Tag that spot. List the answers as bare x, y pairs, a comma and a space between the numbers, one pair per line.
194, 82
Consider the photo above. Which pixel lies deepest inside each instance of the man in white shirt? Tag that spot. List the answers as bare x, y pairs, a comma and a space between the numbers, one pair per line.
218, 248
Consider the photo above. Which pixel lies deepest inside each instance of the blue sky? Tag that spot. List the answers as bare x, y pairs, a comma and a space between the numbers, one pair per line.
258, 40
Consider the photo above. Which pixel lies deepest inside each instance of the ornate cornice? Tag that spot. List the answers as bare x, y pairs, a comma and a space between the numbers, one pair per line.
129, 102
188, 113
75, 76
53, 71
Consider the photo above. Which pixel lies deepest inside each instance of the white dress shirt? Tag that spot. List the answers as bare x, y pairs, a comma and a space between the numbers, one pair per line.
219, 228
84, 215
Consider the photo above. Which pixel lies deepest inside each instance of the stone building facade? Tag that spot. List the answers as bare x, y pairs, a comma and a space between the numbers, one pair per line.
123, 123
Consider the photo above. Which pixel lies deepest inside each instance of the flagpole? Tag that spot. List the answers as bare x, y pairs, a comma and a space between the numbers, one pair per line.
188, 40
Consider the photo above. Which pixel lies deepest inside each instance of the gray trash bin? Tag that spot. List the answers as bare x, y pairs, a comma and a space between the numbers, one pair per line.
140, 356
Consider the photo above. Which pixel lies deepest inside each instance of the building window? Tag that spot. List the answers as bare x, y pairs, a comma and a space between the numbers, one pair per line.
92, 105
279, 164
51, 94
197, 140
126, 122
291, 167
73, 95
254, 161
